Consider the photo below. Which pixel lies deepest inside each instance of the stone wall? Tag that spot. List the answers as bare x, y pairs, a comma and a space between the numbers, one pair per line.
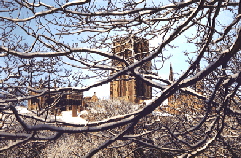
127, 86
69, 101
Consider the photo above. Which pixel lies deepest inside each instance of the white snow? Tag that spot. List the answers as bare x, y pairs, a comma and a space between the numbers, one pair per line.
164, 103
22, 110
84, 112
135, 107
66, 115
148, 101
159, 113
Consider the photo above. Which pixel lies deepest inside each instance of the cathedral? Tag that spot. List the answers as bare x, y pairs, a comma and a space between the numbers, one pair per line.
180, 101
126, 86
134, 90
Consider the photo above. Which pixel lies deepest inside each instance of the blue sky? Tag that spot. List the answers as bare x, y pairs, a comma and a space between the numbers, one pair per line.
178, 59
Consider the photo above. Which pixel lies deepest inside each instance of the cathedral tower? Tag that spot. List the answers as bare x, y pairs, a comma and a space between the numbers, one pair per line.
127, 86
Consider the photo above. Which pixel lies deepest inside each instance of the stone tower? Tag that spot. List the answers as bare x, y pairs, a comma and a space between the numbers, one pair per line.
127, 86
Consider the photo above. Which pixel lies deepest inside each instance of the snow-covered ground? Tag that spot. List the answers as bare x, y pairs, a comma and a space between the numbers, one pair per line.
65, 116
22, 110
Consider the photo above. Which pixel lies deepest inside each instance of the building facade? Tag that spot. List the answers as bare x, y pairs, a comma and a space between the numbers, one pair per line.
180, 101
58, 102
127, 86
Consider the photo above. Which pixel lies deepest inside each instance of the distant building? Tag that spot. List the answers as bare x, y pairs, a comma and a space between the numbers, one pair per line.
187, 102
60, 102
126, 86
92, 99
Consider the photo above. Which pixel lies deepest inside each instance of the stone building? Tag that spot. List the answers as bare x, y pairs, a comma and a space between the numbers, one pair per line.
92, 99
60, 102
181, 101
127, 86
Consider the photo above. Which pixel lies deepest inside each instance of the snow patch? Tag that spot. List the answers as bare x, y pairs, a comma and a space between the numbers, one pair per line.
159, 113
84, 112
148, 101
22, 110
67, 117
164, 103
